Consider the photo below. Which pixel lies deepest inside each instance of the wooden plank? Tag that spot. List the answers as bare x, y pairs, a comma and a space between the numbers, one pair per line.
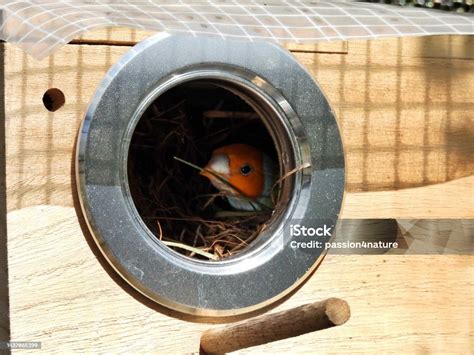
453, 199
446, 46
395, 113
72, 304
4, 299
427, 129
405, 121
113, 36
460, 47
129, 36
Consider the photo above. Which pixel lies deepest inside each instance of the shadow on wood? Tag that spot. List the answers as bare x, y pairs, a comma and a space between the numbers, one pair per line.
4, 298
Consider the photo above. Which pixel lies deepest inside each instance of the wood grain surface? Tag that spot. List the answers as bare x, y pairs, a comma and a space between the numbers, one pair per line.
404, 124
405, 113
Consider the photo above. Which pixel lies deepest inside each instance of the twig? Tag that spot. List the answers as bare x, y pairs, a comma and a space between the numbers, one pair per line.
227, 214
230, 114
159, 228
288, 174
192, 249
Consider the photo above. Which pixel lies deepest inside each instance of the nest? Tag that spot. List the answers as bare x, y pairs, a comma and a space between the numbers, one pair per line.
179, 206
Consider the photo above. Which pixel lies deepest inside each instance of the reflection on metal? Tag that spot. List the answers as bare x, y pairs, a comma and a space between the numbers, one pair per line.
296, 114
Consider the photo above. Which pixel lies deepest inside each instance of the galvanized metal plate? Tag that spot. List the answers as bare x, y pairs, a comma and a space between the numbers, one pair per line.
270, 268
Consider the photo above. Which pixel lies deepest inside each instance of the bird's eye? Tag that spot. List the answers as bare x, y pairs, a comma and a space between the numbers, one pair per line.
245, 169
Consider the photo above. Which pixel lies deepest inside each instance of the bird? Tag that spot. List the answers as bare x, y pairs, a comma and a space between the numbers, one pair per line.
245, 174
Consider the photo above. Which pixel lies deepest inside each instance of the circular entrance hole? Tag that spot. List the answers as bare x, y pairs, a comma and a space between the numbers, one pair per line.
179, 205
53, 99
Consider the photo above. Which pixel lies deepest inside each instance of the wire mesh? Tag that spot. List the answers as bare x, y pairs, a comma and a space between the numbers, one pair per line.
40, 27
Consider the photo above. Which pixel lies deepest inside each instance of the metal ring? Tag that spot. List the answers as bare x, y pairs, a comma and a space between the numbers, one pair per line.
296, 111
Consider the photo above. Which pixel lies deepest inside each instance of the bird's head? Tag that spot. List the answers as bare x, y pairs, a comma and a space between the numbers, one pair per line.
241, 165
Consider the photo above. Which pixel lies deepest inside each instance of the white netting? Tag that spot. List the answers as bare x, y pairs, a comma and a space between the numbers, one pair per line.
40, 27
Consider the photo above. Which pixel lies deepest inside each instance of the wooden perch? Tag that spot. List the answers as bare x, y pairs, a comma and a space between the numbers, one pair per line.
277, 326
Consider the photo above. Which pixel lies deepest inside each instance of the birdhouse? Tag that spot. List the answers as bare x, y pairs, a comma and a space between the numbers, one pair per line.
87, 268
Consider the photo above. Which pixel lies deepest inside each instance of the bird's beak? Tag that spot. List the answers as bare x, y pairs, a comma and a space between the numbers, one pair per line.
218, 165
205, 173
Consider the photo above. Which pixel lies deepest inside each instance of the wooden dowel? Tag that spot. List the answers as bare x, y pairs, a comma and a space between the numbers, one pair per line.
277, 326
